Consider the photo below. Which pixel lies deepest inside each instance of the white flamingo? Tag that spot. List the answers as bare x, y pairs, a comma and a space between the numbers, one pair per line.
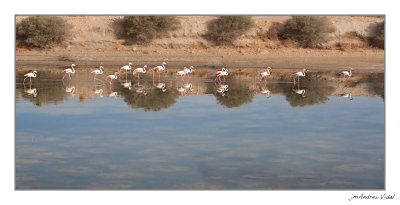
265, 74
126, 68
69, 71
346, 73
139, 70
185, 71
112, 77
97, 72
188, 70
30, 75
299, 74
159, 69
222, 73
181, 73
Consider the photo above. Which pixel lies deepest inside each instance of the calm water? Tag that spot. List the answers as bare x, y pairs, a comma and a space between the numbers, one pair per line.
74, 135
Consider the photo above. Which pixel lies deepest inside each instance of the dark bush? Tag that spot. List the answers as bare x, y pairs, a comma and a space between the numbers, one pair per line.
307, 31
378, 38
42, 31
226, 29
273, 31
143, 29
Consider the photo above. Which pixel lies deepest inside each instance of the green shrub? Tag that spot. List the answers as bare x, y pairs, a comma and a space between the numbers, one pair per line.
143, 29
307, 31
378, 39
226, 29
42, 31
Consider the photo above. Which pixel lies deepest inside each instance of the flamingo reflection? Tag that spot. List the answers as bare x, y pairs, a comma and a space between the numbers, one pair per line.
301, 92
185, 88
140, 89
264, 90
346, 95
127, 84
221, 88
30, 91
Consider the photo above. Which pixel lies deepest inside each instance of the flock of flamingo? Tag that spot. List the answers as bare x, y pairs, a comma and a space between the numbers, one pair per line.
126, 68
220, 76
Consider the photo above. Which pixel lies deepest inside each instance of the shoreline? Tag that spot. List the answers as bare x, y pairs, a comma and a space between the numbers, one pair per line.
322, 60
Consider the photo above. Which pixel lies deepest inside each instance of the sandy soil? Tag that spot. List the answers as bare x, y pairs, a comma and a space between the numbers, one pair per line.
94, 43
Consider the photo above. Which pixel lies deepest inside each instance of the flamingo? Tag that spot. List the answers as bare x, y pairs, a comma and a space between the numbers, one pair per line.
97, 72
188, 70
139, 70
126, 68
346, 73
159, 69
112, 77
181, 73
185, 71
298, 74
222, 73
30, 75
265, 74
69, 71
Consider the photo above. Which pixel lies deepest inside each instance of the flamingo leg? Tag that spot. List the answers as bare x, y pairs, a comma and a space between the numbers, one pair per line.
69, 75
